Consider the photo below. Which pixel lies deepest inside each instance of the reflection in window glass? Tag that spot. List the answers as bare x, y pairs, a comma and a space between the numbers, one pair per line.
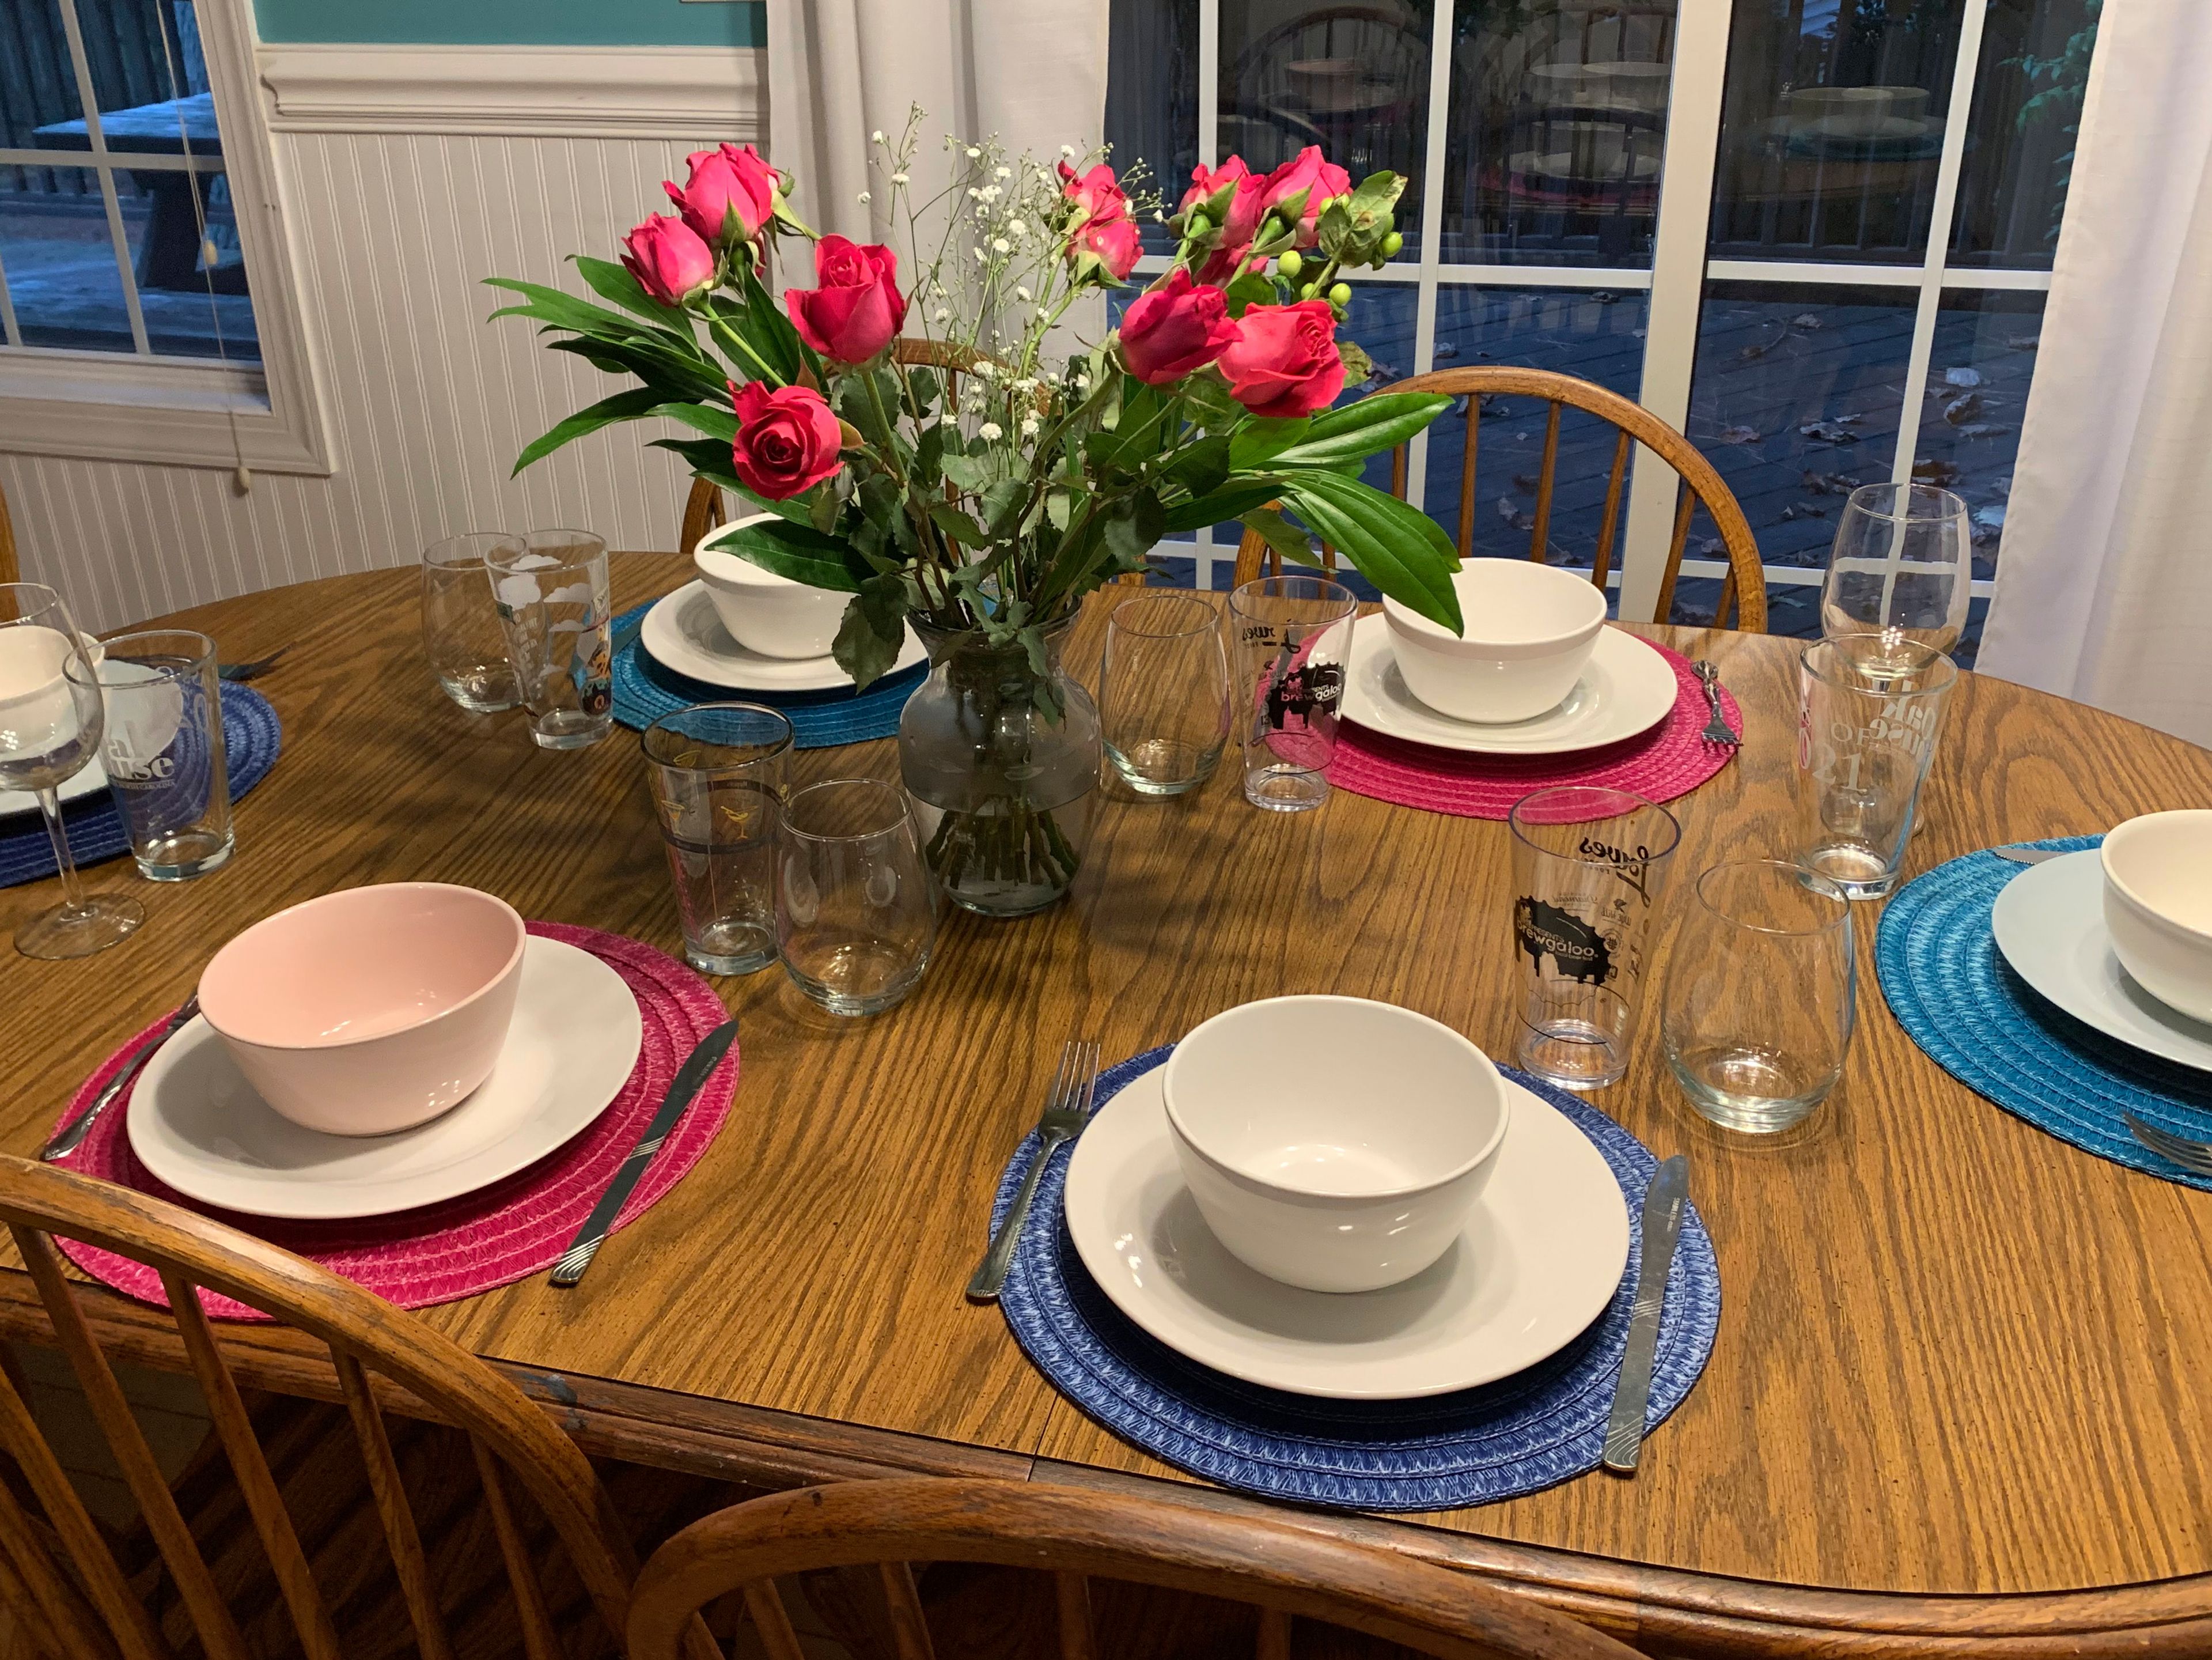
1978, 381
1795, 402
141, 53
1592, 336
1353, 79
2020, 144
189, 304
1832, 127
1151, 98
1557, 130
62, 276
38, 87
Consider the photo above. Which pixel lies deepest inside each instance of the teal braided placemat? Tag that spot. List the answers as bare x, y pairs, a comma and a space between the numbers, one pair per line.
1951, 989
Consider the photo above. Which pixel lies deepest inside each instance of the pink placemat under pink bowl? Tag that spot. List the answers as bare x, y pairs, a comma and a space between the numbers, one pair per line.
1669, 761
505, 1232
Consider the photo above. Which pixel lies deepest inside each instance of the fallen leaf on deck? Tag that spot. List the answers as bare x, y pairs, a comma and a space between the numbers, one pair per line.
1984, 429
1939, 473
1828, 432
1741, 435
1963, 408
1806, 319
2023, 342
1830, 484
1524, 481
1962, 377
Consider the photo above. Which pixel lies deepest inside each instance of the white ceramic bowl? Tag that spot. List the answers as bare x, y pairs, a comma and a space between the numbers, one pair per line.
1531, 629
764, 612
1334, 1143
369, 1010
2158, 906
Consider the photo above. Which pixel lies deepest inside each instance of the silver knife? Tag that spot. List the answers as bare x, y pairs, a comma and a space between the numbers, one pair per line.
1662, 1224
2021, 854
688, 1077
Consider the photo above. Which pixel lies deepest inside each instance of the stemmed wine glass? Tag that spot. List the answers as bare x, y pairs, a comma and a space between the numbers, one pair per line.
1902, 567
50, 720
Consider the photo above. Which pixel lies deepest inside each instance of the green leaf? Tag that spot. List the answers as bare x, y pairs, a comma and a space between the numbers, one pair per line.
929, 454
873, 630
1336, 230
1359, 430
711, 461
715, 422
1248, 290
1232, 501
1133, 524
565, 310
958, 524
1281, 535
771, 333
633, 405
1378, 192
922, 384
1261, 441
800, 552
1400, 549
1002, 505
1201, 467
680, 377
1358, 366
612, 282
970, 473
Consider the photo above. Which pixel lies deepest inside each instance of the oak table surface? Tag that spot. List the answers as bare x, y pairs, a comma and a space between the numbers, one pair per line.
1956, 1358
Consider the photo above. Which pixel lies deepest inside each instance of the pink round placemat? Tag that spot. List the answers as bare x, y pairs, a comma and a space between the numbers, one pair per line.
1669, 761
499, 1234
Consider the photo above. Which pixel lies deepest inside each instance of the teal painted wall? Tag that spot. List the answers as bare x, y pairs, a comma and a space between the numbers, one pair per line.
515, 22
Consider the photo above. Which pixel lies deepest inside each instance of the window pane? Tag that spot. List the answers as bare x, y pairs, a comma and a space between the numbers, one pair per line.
1352, 79
1151, 98
1796, 401
1593, 336
183, 318
1831, 128
62, 275
1558, 124
1978, 381
143, 53
2020, 143
38, 90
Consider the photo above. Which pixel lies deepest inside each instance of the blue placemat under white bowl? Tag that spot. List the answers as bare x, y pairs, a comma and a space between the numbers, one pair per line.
645, 690
1517, 1435
1951, 989
252, 735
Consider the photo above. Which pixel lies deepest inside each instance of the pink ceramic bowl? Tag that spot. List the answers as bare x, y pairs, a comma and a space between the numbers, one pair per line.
372, 1009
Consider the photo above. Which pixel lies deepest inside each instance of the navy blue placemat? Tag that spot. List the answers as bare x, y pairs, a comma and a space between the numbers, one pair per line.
1517, 1435
645, 690
1951, 989
252, 734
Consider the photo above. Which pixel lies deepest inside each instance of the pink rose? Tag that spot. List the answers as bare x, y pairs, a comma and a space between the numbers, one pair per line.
787, 439
1286, 362
669, 260
855, 308
1241, 221
1113, 243
731, 195
1102, 234
1176, 329
1322, 181
1097, 194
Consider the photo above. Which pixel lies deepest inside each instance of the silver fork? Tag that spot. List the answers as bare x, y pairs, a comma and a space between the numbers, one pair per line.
1066, 1109
1717, 730
2195, 1157
237, 673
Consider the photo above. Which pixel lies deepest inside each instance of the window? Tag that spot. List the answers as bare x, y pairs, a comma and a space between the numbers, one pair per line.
127, 314
1815, 235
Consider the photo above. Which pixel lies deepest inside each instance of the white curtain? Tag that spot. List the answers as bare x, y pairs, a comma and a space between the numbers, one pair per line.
2104, 579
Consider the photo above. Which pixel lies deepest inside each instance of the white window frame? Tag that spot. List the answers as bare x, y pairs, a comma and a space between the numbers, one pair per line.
1679, 272
140, 406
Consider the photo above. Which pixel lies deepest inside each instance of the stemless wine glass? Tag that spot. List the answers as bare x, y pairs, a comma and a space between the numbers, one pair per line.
167, 765
855, 917
716, 771
1163, 692
1292, 639
1902, 567
551, 589
51, 718
1762, 995
461, 632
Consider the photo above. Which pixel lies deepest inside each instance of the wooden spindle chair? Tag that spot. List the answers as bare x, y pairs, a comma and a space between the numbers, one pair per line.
1743, 590
59, 1573
704, 508
1289, 1572
11, 570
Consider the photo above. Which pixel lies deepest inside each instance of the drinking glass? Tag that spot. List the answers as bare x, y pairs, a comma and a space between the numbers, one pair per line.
1902, 567
163, 752
550, 587
1589, 866
1870, 712
716, 771
1761, 993
1291, 636
50, 724
461, 631
1163, 692
854, 917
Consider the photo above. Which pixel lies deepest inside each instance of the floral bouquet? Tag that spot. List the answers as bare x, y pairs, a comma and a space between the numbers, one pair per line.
912, 443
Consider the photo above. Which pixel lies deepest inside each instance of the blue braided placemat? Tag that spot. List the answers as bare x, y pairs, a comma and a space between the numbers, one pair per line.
1518, 1435
645, 690
1951, 989
252, 735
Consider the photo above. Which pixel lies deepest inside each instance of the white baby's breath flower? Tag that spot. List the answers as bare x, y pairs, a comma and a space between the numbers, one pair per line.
1017, 227
877, 136
1024, 295
980, 254
999, 245
973, 192
943, 313
1068, 150
990, 432
987, 368
1003, 173
866, 198
1159, 215
1044, 313
900, 179
974, 153
1083, 383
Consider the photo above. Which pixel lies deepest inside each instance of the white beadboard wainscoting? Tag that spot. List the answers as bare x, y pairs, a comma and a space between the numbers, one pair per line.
427, 403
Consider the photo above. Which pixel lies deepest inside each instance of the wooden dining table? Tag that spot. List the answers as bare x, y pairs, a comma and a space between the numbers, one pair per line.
1959, 1402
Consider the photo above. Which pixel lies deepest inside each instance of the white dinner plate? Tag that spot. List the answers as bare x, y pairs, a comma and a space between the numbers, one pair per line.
87, 780
1628, 688
198, 1124
682, 632
2050, 924
1540, 1259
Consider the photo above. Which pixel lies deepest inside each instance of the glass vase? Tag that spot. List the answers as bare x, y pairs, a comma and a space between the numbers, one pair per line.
1001, 762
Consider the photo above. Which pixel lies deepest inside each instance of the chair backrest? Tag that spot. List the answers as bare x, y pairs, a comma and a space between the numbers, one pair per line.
90, 1609
10, 570
1744, 588
703, 509
1075, 1534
